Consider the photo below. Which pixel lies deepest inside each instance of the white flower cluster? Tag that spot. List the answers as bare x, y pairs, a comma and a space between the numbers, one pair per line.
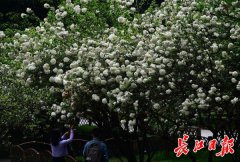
2, 35
60, 111
172, 60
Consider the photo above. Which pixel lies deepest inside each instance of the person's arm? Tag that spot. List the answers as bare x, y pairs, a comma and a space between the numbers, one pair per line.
64, 136
67, 141
105, 152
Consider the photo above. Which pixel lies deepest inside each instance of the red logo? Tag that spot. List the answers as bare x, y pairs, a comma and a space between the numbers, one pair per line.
182, 146
227, 146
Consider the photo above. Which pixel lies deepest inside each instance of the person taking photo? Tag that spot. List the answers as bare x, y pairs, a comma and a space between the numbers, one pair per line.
59, 144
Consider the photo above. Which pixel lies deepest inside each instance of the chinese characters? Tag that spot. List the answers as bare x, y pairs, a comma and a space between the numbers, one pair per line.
226, 146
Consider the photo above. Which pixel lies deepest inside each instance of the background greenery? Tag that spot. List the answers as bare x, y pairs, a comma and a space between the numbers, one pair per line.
10, 13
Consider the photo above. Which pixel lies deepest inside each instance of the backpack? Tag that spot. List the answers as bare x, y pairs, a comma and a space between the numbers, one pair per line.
94, 153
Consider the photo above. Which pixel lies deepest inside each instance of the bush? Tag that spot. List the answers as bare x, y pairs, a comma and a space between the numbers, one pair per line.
85, 131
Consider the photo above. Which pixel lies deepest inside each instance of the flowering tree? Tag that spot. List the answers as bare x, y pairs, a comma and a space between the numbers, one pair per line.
23, 109
202, 43
205, 37
50, 51
108, 74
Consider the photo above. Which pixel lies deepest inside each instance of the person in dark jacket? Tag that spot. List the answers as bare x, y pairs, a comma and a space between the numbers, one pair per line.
95, 141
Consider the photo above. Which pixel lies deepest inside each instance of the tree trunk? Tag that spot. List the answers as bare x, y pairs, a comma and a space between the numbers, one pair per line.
141, 144
131, 156
236, 155
211, 153
191, 144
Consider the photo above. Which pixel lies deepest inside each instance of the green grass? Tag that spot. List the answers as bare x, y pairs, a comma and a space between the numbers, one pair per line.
202, 156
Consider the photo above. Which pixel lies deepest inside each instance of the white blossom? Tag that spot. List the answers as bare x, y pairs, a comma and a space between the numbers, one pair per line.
53, 114
46, 5
23, 15
122, 19
84, 10
162, 72
112, 37
77, 9
234, 100
66, 59
53, 61
132, 115
234, 73
63, 117
29, 10
2, 35
95, 97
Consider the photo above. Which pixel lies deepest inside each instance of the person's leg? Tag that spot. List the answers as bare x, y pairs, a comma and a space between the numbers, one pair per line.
62, 159
54, 159
59, 159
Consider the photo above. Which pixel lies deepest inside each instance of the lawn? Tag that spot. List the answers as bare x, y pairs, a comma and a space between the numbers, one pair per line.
201, 156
